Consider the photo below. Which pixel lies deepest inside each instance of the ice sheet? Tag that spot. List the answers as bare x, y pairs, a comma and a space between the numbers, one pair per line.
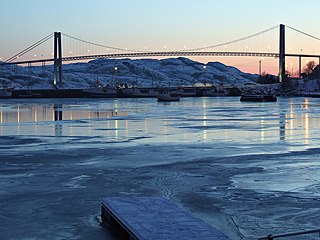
246, 168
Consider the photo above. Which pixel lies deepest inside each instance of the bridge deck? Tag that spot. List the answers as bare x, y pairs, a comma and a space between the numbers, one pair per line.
157, 219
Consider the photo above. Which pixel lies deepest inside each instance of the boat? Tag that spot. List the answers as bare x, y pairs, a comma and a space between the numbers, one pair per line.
258, 98
139, 92
99, 91
168, 97
6, 92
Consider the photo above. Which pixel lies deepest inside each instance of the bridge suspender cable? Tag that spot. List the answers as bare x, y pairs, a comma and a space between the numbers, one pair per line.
131, 50
139, 53
231, 42
184, 50
100, 45
28, 49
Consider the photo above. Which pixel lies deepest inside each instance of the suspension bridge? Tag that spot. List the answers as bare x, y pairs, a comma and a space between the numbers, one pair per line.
57, 56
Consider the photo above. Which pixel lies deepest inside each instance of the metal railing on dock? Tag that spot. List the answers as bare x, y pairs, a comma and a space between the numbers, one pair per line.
271, 237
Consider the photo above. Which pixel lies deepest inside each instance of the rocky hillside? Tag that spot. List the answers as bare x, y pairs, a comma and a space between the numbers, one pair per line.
142, 72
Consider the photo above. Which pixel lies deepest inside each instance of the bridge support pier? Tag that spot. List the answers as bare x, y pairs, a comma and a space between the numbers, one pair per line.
282, 54
57, 55
299, 66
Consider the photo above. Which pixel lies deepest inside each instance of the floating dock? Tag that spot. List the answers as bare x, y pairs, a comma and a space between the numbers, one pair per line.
155, 218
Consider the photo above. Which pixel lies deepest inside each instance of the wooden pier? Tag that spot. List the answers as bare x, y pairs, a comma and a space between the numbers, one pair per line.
155, 218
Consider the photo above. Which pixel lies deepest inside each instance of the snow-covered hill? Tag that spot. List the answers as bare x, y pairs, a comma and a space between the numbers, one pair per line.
141, 72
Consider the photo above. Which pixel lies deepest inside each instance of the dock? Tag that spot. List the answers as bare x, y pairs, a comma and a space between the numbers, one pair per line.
48, 93
156, 218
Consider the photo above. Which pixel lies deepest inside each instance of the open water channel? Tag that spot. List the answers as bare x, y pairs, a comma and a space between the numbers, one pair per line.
248, 169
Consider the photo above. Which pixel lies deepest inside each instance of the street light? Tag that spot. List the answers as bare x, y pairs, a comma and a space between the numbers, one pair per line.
116, 73
204, 73
260, 69
291, 66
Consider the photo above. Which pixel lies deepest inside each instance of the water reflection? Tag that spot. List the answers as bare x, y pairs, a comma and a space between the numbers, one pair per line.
204, 106
201, 119
306, 122
57, 108
56, 112
33, 119
262, 130
282, 126
306, 127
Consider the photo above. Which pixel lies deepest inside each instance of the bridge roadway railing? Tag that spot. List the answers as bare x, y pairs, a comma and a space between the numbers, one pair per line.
151, 54
165, 54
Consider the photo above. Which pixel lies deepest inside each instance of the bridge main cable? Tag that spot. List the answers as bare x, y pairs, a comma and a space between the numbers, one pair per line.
100, 45
28, 49
304, 33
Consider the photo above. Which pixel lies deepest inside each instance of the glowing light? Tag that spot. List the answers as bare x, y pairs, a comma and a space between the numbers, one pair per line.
306, 103
306, 127
18, 115
262, 132
204, 106
127, 128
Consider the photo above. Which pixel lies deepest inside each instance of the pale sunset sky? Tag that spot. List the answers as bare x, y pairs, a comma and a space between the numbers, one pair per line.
165, 25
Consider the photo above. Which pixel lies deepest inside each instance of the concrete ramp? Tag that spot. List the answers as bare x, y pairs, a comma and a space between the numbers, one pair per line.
155, 218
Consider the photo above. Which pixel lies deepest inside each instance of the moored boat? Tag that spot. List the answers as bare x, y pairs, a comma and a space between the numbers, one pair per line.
99, 91
168, 97
6, 92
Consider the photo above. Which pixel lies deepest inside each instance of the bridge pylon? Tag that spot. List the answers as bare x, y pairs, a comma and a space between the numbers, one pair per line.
57, 60
282, 53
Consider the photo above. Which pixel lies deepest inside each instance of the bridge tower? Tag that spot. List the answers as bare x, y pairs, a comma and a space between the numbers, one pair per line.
282, 54
57, 59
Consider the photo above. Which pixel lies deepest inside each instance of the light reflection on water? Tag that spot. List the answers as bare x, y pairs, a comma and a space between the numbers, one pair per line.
294, 120
39, 113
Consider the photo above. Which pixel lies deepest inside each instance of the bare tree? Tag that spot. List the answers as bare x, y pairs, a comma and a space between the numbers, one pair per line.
310, 66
